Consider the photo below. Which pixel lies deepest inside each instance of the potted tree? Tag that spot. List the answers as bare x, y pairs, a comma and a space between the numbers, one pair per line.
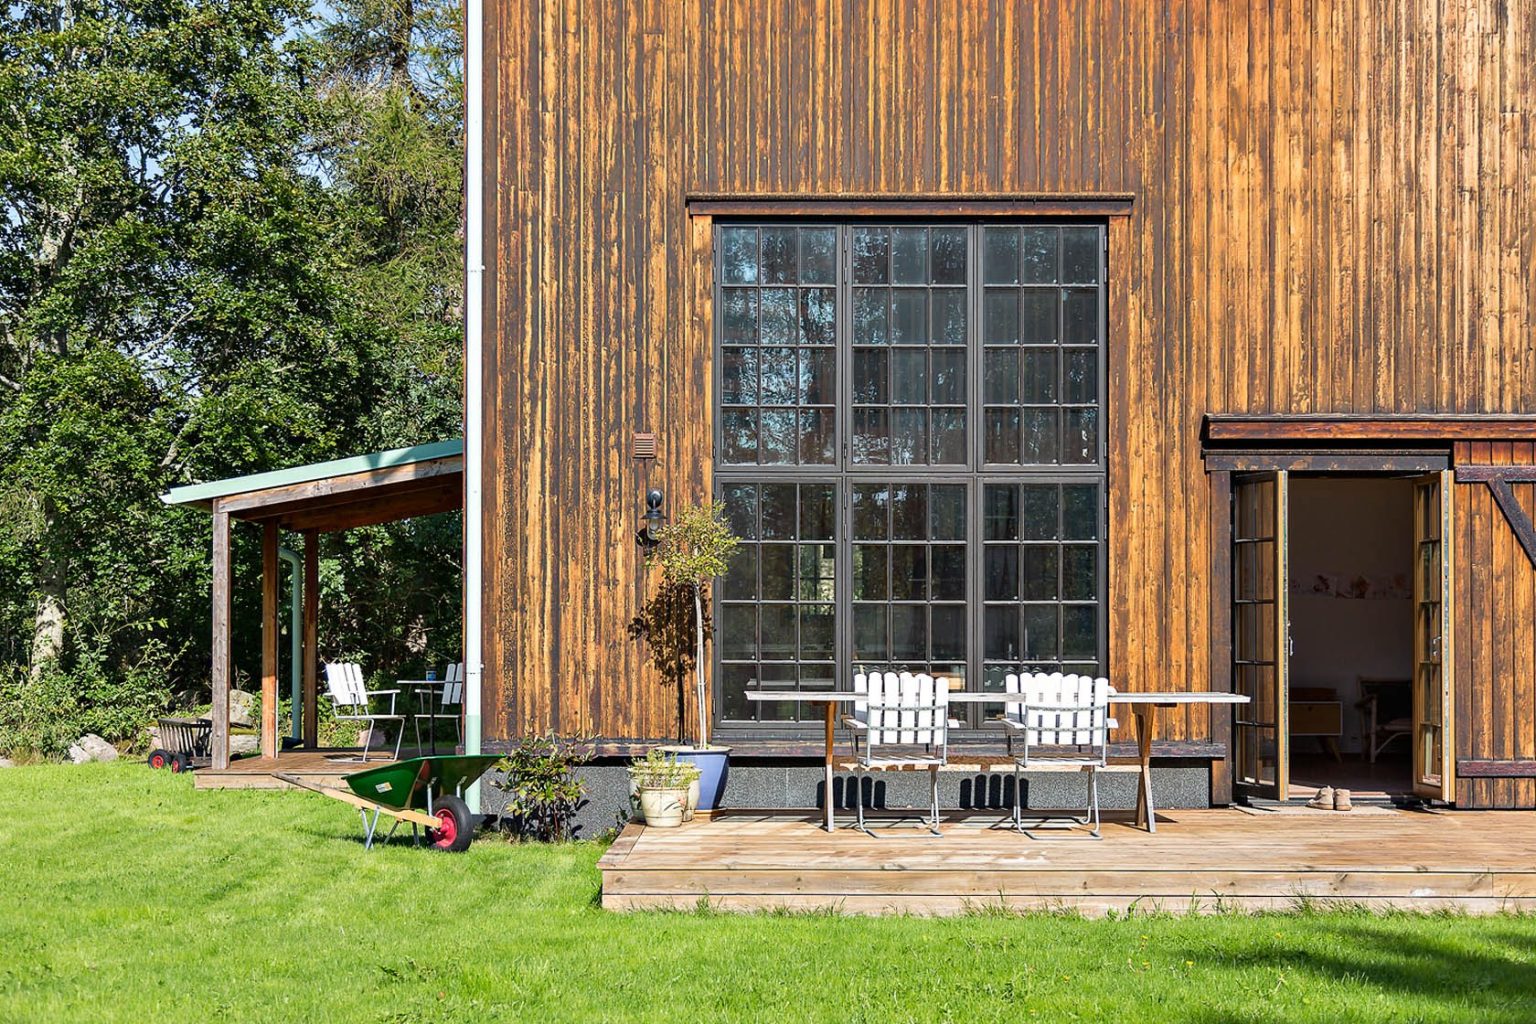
661, 784
692, 552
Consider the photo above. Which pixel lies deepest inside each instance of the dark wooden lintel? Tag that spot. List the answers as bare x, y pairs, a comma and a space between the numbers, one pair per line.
1496, 769
875, 204
1329, 428
1487, 474
1327, 461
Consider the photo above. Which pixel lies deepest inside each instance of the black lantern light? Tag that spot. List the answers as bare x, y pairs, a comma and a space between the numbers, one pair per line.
653, 517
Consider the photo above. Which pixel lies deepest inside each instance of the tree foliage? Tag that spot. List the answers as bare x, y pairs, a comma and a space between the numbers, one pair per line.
229, 242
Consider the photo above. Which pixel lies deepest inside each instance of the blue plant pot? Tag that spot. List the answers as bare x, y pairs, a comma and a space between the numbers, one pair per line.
714, 766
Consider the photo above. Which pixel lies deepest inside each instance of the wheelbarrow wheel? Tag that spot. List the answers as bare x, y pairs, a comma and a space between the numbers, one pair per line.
457, 830
158, 758
180, 763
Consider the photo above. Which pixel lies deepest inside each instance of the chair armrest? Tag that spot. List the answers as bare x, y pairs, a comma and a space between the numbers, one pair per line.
1012, 725
378, 693
854, 723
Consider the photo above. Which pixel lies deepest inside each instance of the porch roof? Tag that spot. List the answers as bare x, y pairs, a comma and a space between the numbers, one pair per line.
342, 493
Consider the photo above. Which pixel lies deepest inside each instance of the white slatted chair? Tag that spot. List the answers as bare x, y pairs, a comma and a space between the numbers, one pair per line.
858, 722
349, 697
1069, 715
906, 728
448, 706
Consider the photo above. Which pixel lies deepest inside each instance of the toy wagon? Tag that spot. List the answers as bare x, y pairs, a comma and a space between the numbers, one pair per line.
185, 743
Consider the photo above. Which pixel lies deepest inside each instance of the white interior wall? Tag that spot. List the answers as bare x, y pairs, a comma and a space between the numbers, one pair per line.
1348, 527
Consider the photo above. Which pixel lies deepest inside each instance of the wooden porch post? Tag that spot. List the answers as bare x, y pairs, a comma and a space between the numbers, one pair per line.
310, 645
220, 647
269, 639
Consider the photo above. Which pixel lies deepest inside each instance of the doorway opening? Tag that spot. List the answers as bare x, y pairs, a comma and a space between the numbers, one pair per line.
1350, 556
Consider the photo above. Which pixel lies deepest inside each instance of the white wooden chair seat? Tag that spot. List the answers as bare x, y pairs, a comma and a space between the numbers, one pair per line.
351, 699
908, 715
1060, 711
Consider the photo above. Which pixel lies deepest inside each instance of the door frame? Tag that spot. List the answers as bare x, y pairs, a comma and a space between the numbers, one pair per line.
1320, 458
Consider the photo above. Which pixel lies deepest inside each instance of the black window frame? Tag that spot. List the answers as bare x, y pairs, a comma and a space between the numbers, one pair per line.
975, 474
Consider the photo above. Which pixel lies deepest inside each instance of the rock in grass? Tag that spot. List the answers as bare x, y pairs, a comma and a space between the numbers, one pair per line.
91, 747
244, 743
6, 762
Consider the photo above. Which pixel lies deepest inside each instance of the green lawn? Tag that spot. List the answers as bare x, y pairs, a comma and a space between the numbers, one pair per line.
125, 895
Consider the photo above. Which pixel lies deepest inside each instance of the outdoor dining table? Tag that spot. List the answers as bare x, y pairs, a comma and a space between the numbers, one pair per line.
427, 685
1143, 705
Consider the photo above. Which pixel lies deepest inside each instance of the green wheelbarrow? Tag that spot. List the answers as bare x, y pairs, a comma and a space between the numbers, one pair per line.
425, 791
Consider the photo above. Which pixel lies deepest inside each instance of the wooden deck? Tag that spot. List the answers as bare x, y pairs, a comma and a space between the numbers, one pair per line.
1199, 861
322, 766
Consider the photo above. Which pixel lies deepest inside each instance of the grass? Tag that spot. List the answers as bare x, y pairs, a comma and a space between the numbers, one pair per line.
125, 895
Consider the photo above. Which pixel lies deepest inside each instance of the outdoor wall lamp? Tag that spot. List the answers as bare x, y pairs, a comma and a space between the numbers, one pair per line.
653, 517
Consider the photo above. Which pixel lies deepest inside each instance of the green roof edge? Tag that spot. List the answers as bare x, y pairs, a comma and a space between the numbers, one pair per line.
314, 471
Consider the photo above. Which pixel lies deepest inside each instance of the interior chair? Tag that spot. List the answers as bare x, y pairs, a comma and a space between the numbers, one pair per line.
1063, 726
350, 701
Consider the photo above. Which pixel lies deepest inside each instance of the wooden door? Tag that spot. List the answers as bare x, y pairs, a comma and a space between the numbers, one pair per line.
1432, 636
1260, 633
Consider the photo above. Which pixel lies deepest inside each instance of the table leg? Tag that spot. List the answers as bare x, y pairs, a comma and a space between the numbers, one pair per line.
1145, 719
831, 712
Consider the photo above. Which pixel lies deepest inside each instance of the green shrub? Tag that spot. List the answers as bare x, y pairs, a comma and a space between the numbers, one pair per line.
543, 793
42, 716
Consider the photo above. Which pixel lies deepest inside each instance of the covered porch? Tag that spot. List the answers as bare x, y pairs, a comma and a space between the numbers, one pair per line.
1199, 861
310, 500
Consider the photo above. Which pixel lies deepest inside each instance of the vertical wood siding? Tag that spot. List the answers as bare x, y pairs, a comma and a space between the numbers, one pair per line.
1495, 625
1332, 213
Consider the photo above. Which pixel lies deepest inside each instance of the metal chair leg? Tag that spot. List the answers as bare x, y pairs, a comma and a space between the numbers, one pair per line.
858, 801
1093, 801
399, 739
933, 777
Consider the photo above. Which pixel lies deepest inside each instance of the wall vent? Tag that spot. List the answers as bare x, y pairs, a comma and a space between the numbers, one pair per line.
644, 446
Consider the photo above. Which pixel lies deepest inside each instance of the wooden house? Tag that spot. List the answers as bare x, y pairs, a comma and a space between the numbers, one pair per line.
1189, 344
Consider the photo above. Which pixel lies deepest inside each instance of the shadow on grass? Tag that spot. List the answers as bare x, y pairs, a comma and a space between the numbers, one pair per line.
1456, 967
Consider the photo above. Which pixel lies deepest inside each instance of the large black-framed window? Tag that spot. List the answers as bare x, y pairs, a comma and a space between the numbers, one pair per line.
909, 440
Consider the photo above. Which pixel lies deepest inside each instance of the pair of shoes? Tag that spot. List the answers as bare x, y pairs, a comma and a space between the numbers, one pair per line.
1330, 799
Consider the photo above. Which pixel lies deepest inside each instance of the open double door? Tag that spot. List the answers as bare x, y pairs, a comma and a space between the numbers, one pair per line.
1261, 639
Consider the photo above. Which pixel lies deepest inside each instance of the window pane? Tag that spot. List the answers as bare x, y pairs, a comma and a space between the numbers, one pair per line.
871, 436
778, 562
948, 568
738, 436
1039, 376
1079, 572
1081, 512
1080, 444
909, 512
909, 436
1040, 511
909, 255
871, 255
816, 433
1000, 629
1081, 320
1040, 252
1000, 259
948, 437
1039, 316
948, 376
869, 632
1001, 578
909, 572
818, 255
909, 633
779, 257
1002, 437
870, 368
1001, 518
1039, 639
870, 502
1040, 436
817, 373
780, 316
738, 316
779, 437
741, 509
1039, 572
738, 377
909, 316
818, 313
870, 325
1000, 317
946, 506
816, 632
1079, 631
949, 257
1001, 386
778, 641
738, 255
778, 511
869, 572
738, 631
948, 632
740, 582
818, 509
1080, 255
1082, 373
909, 384
948, 316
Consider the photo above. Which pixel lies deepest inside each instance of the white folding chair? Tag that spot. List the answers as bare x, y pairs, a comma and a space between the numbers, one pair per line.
858, 722
906, 728
349, 697
448, 706
1068, 715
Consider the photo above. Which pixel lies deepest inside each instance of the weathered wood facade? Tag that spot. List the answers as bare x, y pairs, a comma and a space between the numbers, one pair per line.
1309, 210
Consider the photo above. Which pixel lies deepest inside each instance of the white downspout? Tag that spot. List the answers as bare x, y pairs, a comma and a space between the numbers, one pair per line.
474, 201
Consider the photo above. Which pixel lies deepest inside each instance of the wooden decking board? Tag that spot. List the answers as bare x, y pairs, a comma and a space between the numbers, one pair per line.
1473, 862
